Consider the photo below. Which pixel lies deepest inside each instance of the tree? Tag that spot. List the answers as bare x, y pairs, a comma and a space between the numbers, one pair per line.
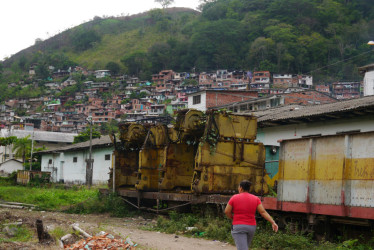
85, 39
85, 135
22, 147
165, 3
113, 67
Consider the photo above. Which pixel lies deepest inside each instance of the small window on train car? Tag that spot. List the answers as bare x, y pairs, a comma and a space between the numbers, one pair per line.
107, 157
75, 159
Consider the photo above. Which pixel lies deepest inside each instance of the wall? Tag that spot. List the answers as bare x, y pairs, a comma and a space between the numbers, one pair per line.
10, 166
63, 167
214, 99
369, 83
200, 106
271, 135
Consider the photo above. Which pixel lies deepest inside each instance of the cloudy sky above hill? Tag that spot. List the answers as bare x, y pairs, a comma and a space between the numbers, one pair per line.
24, 21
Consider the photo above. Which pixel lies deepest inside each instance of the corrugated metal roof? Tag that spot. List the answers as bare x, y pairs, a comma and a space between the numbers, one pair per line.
41, 135
98, 142
297, 112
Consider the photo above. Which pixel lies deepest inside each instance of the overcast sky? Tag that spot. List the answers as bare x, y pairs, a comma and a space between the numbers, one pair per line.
23, 21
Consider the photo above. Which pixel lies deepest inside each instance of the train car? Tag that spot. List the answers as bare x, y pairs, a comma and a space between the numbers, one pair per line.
328, 178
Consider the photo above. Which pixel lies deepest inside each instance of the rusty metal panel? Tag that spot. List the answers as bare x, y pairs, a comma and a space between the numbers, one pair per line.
221, 170
150, 161
361, 170
179, 166
327, 173
126, 168
294, 164
236, 126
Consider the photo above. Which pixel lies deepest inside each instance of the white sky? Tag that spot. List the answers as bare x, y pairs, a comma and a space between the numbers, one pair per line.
23, 21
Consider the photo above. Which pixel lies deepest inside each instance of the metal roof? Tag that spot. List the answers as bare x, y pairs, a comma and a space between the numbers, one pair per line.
40, 135
297, 114
103, 141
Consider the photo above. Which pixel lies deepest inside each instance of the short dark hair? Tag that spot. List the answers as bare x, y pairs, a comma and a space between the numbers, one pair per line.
245, 185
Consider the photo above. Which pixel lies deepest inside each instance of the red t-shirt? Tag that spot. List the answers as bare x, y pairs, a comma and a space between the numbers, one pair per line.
244, 206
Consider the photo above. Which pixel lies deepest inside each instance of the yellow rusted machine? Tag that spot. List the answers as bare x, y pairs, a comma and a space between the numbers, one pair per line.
166, 161
132, 137
152, 158
200, 153
227, 154
177, 171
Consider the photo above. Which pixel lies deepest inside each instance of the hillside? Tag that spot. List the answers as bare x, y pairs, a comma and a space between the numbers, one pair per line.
327, 39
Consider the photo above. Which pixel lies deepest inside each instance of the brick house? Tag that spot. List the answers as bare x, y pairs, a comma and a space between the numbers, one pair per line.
205, 99
284, 80
346, 90
323, 88
307, 97
163, 80
261, 79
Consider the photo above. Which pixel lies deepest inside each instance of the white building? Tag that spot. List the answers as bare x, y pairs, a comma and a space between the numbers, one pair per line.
68, 164
50, 140
102, 73
10, 166
293, 121
368, 70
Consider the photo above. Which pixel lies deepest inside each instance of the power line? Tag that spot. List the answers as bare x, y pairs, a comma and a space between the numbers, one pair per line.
340, 61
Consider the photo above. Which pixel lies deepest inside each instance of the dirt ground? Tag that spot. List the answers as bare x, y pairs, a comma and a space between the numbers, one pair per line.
93, 224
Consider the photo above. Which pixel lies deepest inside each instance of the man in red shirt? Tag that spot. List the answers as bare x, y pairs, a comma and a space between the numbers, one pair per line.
241, 209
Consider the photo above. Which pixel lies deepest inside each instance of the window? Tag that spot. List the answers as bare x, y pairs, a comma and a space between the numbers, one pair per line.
196, 99
50, 161
75, 159
107, 157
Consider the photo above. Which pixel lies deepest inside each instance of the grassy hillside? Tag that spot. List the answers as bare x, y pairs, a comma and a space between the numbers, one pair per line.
326, 39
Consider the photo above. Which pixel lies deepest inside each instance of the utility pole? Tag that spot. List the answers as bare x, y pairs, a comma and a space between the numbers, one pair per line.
89, 167
32, 148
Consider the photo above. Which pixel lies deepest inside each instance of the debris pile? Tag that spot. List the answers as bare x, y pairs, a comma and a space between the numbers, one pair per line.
102, 241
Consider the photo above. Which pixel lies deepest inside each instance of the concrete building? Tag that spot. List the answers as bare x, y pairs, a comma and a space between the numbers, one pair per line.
50, 140
368, 71
10, 166
68, 164
205, 99
295, 121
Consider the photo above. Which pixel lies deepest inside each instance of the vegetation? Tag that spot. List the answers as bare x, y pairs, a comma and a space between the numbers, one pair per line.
85, 135
327, 39
213, 227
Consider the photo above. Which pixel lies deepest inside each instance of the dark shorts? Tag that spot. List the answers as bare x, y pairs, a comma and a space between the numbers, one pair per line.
243, 235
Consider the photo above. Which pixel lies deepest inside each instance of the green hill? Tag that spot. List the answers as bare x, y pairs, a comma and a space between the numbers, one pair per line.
324, 38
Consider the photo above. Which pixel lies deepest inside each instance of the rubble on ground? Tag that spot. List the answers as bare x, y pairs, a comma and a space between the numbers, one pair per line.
102, 241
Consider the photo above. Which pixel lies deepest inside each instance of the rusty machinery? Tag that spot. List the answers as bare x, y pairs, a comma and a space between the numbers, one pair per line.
228, 154
202, 153
167, 157
126, 153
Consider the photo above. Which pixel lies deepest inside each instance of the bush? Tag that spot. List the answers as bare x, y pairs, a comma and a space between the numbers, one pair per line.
111, 204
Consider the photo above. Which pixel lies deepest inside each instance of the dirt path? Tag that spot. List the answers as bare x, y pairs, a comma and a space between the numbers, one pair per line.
119, 227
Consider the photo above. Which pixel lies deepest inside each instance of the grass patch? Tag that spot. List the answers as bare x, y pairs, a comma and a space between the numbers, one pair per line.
111, 204
46, 198
77, 199
22, 234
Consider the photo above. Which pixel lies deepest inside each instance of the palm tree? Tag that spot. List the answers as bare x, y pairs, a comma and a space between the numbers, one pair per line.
22, 147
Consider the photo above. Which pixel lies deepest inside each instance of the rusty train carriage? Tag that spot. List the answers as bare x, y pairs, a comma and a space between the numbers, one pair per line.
329, 175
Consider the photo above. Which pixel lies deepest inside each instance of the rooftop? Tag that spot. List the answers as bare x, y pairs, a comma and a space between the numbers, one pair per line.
293, 114
103, 141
